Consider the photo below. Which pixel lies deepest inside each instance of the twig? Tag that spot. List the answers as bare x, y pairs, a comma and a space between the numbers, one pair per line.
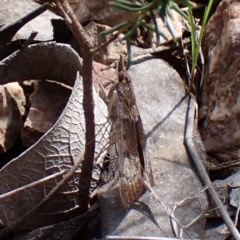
164, 208
74, 25
7, 32
88, 102
221, 166
193, 150
19, 54
169, 45
104, 45
140, 238
183, 202
8, 230
32, 184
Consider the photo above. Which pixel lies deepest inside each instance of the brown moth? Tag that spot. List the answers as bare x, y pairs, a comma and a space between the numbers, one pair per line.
130, 139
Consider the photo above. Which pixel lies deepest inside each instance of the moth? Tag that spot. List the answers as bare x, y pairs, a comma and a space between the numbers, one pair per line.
129, 137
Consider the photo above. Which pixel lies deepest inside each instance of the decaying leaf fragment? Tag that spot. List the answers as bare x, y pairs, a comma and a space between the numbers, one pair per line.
56, 152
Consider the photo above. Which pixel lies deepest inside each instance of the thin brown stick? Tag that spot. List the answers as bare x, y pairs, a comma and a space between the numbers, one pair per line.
189, 136
74, 25
7, 32
114, 37
8, 230
163, 207
31, 185
88, 102
221, 166
140, 238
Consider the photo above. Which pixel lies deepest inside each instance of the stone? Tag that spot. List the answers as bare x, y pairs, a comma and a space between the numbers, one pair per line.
12, 111
220, 107
47, 103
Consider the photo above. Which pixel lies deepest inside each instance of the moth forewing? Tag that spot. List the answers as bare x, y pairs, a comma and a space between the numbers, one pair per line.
130, 168
130, 180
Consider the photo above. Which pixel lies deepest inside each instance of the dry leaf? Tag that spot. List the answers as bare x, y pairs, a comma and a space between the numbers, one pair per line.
57, 150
